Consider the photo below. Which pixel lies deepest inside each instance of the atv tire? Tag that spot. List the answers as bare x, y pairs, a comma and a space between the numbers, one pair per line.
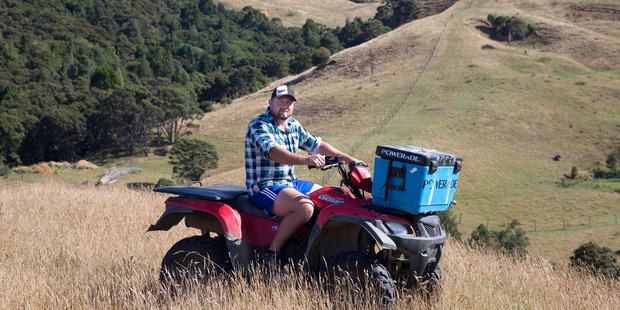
434, 287
351, 274
194, 260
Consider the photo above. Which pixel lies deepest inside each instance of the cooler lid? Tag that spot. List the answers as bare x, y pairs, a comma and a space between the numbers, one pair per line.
417, 155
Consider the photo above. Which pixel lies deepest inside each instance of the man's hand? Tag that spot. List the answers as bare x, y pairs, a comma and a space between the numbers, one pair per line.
316, 160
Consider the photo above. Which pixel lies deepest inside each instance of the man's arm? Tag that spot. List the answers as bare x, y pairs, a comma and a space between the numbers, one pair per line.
282, 156
326, 149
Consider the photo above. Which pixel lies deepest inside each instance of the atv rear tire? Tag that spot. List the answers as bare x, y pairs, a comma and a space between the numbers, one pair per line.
194, 260
350, 274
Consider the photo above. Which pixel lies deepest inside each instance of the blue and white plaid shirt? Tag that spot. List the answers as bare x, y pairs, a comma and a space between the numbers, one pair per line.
262, 135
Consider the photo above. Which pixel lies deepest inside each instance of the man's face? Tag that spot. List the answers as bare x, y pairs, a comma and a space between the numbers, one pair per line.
282, 107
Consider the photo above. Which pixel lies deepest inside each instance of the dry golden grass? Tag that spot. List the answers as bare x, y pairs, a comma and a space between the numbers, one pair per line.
64, 246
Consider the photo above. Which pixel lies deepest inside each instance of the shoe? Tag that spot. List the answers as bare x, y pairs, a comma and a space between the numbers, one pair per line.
270, 265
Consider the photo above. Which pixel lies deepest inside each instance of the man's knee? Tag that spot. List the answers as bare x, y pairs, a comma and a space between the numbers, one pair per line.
307, 208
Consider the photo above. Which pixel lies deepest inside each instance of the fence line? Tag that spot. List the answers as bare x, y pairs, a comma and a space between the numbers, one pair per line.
547, 225
397, 109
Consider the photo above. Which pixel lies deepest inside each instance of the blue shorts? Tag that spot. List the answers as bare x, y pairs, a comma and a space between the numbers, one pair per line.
265, 198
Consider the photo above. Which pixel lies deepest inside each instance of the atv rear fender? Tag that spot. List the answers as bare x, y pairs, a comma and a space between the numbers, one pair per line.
208, 216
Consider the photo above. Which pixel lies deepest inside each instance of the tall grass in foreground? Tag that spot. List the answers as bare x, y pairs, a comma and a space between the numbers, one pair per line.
65, 246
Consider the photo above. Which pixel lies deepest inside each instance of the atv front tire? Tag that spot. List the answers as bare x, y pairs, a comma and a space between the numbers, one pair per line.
194, 260
353, 273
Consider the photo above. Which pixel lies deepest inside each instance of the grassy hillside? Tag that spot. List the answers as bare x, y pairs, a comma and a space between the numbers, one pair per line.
505, 112
448, 86
67, 246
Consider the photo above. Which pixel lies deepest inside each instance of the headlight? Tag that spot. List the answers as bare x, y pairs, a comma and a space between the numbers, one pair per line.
397, 228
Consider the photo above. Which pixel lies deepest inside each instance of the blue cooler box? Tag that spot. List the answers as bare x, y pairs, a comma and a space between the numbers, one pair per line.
414, 179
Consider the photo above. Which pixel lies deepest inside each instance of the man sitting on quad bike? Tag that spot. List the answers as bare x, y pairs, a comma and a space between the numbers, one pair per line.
271, 146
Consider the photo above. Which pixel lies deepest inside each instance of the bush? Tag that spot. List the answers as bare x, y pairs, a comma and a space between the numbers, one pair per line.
599, 260
320, 56
511, 240
163, 182
449, 224
482, 236
4, 171
192, 157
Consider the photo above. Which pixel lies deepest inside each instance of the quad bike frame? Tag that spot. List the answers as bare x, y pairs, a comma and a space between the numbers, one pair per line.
408, 246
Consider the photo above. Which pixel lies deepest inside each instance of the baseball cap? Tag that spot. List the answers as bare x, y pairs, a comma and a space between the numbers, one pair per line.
283, 90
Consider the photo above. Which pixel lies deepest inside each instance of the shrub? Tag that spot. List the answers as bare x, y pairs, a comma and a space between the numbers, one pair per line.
163, 182
449, 224
599, 260
511, 240
192, 157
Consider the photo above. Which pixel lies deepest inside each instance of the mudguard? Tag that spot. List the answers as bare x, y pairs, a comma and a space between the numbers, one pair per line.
338, 231
179, 207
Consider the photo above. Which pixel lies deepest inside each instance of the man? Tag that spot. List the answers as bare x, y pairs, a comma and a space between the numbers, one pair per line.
271, 146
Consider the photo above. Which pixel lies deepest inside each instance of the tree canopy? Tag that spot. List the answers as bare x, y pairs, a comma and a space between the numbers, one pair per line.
82, 77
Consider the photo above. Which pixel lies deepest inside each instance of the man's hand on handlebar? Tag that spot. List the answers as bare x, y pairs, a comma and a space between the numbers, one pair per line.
315, 161
330, 162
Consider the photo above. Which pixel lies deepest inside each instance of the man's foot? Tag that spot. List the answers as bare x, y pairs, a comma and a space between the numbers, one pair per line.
270, 264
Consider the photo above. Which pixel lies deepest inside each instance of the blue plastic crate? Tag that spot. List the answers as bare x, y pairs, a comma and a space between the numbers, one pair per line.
413, 179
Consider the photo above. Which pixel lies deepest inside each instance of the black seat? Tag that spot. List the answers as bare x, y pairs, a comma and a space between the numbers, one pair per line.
237, 195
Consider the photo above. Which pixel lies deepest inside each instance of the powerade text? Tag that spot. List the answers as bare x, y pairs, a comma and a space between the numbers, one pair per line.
440, 184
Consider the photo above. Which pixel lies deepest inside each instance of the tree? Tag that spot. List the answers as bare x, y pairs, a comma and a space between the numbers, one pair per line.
192, 157
349, 35
178, 108
511, 240
128, 116
372, 29
320, 56
611, 162
312, 34
13, 133
508, 26
520, 27
394, 13
482, 237
574, 173
59, 133
104, 78
600, 260
301, 62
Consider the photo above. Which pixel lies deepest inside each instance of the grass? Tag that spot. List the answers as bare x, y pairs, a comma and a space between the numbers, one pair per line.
64, 245
506, 113
67, 246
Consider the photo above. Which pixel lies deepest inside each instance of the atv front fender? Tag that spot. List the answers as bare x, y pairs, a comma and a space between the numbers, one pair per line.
340, 234
178, 208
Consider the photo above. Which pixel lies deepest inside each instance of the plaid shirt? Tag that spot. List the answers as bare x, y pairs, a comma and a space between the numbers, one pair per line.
263, 134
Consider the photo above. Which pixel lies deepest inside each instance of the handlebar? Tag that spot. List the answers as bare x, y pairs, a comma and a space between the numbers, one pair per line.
339, 163
330, 162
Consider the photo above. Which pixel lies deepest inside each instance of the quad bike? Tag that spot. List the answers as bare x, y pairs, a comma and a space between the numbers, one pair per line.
347, 234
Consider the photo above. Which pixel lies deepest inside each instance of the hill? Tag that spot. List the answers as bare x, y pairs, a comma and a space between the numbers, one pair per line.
443, 82
506, 113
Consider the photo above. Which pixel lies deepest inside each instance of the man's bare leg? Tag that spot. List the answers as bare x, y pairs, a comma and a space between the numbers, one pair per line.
296, 209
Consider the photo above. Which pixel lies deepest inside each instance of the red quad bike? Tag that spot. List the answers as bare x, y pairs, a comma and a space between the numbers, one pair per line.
347, 235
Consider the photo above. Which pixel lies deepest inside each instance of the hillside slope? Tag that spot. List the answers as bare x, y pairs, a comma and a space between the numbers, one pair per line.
506, 113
